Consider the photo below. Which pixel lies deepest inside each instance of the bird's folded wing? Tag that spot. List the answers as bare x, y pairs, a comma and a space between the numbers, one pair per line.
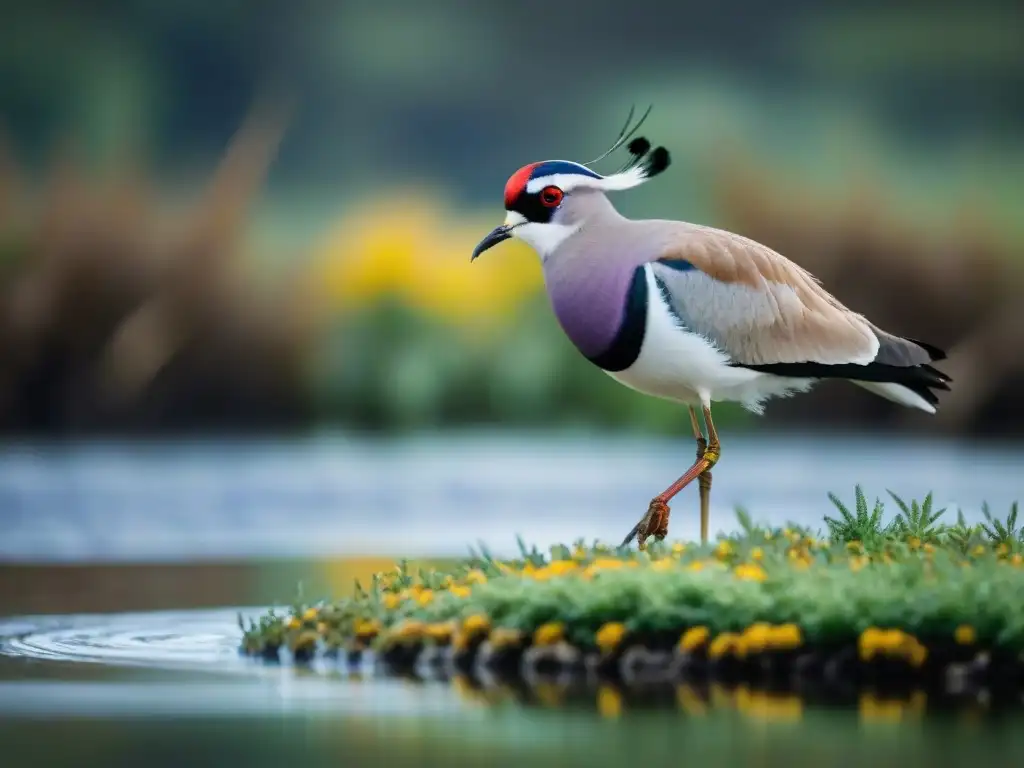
755, 305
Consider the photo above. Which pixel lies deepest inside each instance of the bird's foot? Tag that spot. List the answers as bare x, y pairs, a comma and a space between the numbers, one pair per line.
654, 523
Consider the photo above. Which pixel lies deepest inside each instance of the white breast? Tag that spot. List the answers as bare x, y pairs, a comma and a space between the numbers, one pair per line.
679, 365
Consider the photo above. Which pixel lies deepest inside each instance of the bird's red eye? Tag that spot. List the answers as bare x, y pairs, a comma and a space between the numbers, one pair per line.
551, 196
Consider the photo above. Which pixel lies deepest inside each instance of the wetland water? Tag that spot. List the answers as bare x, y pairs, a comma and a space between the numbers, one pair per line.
118, 563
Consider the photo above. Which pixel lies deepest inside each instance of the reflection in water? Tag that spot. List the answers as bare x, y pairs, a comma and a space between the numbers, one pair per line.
186, 672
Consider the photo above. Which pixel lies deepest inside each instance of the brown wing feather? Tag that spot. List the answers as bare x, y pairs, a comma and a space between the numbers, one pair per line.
789, 316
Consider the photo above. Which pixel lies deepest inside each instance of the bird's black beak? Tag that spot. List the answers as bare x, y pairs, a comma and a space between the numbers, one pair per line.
495, 236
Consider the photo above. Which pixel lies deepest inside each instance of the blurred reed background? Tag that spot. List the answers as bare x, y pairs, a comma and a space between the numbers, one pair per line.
257, 216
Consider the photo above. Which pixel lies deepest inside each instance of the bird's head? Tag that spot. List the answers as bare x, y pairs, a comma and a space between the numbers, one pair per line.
548, 201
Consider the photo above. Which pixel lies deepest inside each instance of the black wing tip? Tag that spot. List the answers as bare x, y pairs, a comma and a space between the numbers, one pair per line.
934, 352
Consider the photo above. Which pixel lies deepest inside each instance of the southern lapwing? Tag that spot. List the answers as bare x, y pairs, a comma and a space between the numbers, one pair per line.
693, 314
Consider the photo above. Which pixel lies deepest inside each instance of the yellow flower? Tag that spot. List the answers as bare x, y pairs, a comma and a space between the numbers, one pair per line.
965, 634
441, 632
579, 553
476, 576
785, 637
694, 638
1017, 559
791, 535
310, 614
476, 624
678, 548
460, 591
610, 636
391, 601
979, 550
408, 630
555, 568
426, 597
723, 550
696, 565
914, 543
609, 701
755, 637
503, 637
294, 623
858, 561
750, 572
665, 564
1003, 549
929, 548
549, 634
321, 628
893, 643
854, 546
725, 644
365, 628
757, 553
606, 564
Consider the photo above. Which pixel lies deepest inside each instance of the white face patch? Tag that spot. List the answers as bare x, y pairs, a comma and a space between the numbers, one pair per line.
543, 238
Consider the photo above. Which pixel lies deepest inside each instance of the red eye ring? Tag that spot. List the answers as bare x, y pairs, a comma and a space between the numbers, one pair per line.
550, 197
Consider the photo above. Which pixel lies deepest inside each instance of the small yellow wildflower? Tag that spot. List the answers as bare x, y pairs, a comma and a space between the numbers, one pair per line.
978, 550
610, 636
750, 572
755, 637
723, 550
408, 630
785, 637
579, 553
609, 701
549, 634
441, 632
791, 534
476, 576
392, 600
665, 564
606, 564
693, 639
476, 624
460, 591
696, 565
1003, 549
858, 561
854, 546
1017, 559
557, 568
914, 543
310, 614
321, 628
294, 623
426, 597
678, 548
757, 554
929, 548
965, 634
366, 628
503, 637
725, 644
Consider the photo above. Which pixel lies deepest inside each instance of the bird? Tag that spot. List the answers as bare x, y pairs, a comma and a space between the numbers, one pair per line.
693, 314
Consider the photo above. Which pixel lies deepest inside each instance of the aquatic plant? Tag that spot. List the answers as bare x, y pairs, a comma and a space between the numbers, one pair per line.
910, 600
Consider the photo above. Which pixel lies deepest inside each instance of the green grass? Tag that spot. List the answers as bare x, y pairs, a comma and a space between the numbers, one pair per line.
915, 592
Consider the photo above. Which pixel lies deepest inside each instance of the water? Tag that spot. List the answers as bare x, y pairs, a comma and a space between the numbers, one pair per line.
435, 496
94, 538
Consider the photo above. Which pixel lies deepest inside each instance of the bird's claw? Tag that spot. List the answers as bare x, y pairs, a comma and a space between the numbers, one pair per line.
654, 523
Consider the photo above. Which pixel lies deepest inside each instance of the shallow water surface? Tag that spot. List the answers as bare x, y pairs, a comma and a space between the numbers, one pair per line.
116, 560
148, 673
